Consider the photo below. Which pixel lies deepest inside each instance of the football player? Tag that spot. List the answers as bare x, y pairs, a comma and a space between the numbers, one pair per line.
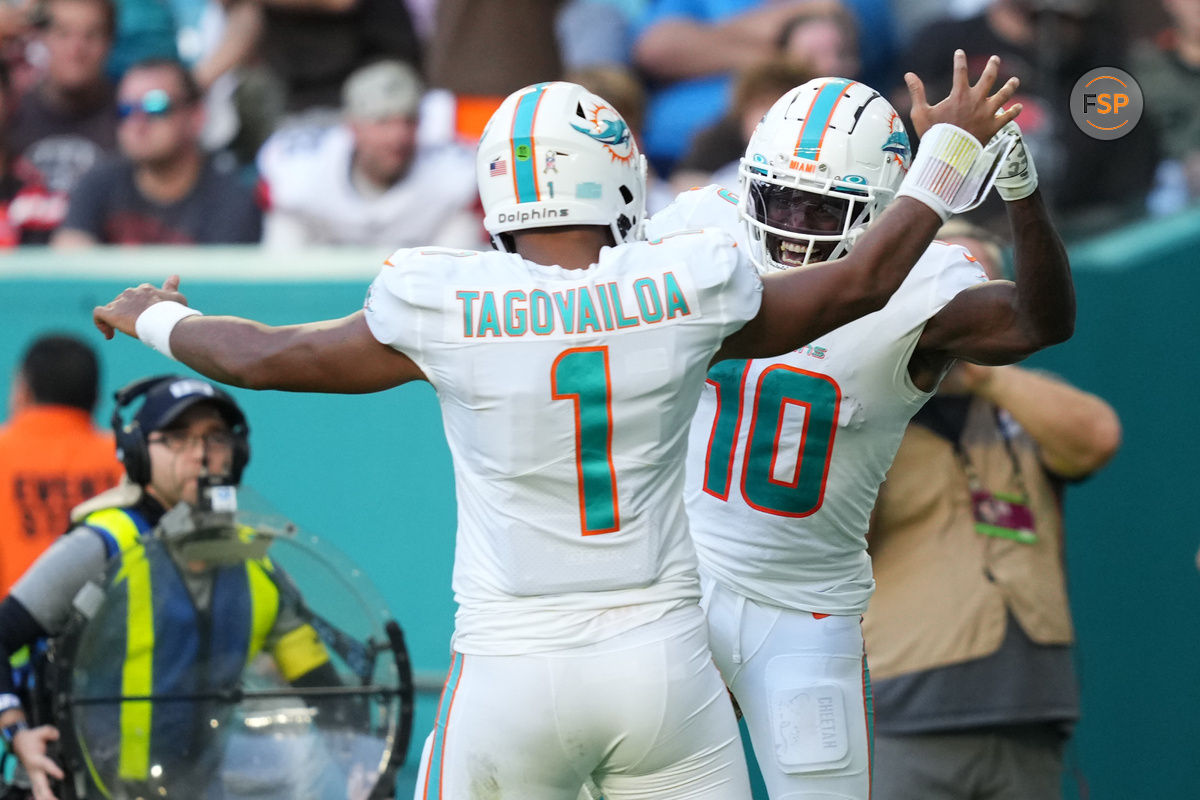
568, 366
786, 454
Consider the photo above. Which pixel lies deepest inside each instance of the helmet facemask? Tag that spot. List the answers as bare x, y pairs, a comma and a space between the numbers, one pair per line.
797, 226
822, 164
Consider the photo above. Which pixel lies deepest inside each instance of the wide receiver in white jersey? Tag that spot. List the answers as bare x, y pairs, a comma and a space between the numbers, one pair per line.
786, 454
568, 368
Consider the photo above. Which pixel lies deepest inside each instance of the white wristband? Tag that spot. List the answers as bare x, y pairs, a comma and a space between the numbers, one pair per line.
154, 325
941, 168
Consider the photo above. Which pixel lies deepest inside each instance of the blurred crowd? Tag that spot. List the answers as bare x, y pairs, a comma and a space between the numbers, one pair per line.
353, 122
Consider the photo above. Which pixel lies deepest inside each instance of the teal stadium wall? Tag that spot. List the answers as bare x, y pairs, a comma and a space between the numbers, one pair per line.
372, 474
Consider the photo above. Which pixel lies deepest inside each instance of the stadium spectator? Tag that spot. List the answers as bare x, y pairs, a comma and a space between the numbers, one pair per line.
52, 458
29, 211
717, 150
1168, 71
10, 184
482, 50
1049, 44
66, 123
969, 632
164, 189
184, 428
16, 31
565, 427
217, 42
369, 181
824, 39
596, 33
145, 29
312, 46
691, 49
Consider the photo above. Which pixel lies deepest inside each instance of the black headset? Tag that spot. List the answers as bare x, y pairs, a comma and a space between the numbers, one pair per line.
134, 451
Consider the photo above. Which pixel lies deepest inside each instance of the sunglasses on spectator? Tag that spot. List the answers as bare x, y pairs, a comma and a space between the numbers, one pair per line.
154, 103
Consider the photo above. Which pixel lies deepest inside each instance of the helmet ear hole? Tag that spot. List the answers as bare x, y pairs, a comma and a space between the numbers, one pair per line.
626, 194
624, 225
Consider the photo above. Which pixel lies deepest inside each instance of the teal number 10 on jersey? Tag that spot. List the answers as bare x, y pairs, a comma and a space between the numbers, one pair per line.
779, 386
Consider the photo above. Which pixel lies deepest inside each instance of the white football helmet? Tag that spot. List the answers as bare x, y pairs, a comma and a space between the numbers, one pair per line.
556, 154
823, 163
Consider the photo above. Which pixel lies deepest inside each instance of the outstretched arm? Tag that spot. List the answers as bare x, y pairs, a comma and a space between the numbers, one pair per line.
801, 304
337, 356
1000, 322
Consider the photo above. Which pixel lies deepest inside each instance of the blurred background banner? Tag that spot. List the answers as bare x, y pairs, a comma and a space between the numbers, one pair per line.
373, 474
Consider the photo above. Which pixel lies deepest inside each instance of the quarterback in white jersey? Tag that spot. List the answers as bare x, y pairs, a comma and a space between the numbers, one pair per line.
566, 397
568, 368
786, 454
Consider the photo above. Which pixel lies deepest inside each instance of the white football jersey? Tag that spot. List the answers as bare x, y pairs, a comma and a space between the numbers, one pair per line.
306, 172
566, 397
786, 455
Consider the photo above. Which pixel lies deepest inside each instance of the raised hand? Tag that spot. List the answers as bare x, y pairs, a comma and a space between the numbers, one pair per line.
122, 312
968, 107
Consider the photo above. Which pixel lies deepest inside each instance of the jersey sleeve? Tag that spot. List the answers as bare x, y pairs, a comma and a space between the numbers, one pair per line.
704, 207
956, 270
49, 586
723, 273
404, 303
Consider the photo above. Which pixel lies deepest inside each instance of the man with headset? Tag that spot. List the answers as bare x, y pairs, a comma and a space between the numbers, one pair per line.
194, 639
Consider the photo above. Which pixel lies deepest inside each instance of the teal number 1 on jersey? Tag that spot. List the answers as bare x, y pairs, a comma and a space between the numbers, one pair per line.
582, 376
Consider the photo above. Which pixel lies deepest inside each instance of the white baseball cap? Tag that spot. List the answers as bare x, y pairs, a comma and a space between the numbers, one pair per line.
382, 89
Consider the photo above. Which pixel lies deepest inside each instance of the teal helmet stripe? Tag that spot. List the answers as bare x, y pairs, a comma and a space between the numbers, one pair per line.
812, 133
525, 168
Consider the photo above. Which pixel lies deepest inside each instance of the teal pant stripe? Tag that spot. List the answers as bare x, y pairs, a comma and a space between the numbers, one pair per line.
523, 156
870, 712
813, 132
433, 779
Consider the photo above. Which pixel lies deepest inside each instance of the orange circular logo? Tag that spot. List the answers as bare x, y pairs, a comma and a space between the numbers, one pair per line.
1106, 103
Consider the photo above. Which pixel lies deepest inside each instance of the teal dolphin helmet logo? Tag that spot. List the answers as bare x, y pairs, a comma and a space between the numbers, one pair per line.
612, 131
897, 142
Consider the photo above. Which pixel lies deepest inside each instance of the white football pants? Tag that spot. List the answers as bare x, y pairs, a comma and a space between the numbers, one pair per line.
802, 684
644, 715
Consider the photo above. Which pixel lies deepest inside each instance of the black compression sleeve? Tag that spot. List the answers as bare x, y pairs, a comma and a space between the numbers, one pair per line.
17, 629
